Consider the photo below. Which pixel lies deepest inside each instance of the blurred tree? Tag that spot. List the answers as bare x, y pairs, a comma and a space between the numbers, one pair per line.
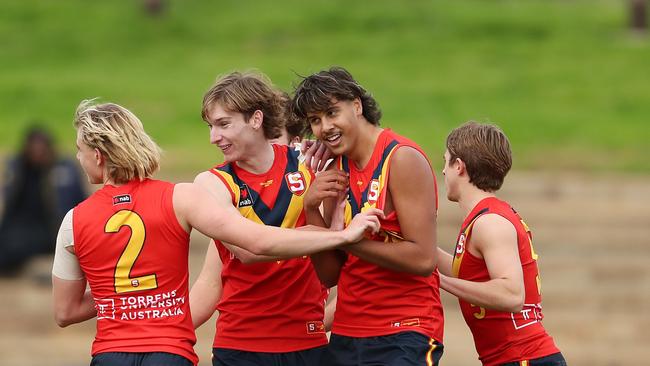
638, 15
154, 7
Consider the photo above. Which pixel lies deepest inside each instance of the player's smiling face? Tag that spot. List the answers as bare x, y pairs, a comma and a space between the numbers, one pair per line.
337, 126
230, 132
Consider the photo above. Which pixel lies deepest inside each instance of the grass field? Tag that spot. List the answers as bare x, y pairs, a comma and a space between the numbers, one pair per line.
566, 79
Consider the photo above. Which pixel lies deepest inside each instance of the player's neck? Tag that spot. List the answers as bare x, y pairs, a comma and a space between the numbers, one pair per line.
107, 180
471, 196
365, 144
259, 160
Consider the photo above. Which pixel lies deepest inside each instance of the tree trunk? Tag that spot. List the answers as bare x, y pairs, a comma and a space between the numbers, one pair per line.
638, 15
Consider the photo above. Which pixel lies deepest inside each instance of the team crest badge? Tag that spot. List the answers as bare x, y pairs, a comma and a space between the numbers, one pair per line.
373, 192
460, 247
296, 183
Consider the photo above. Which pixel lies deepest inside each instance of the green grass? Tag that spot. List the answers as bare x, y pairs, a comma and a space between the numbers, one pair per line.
565, 79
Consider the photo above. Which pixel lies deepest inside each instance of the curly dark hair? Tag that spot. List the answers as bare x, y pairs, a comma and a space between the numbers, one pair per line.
314, 94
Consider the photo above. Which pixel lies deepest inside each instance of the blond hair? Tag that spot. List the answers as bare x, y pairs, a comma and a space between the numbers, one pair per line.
246, 93
119, 135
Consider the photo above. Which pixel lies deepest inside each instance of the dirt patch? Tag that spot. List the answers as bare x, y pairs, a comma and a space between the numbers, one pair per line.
592, 235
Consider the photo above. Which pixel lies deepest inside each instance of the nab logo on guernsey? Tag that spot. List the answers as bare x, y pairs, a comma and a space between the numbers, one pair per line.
123, 198
296, 183
245, 198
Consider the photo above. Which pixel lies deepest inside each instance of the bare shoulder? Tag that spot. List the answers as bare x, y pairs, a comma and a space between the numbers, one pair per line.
409, 160
205, 178
492, 228
213, 184
183, 192
409, 168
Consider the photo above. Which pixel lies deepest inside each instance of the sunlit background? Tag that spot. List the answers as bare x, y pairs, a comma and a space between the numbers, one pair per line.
568, 81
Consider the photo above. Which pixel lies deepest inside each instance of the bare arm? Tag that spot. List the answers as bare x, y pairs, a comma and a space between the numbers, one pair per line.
215, 186
330, 308
195, 207
445, 261
206, 291
247, 257
324, 190
495, 239
72, 303
411, 187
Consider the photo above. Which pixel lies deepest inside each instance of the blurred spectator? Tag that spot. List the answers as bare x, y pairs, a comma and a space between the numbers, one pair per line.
39, 189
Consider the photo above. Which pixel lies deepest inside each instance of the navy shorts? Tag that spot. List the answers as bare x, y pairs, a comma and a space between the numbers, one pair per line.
555, 359
231, 357
139, 359
401, 349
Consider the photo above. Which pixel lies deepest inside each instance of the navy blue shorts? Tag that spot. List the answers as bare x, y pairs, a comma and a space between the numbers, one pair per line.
139, 359
555, 359
231, 357
401, 349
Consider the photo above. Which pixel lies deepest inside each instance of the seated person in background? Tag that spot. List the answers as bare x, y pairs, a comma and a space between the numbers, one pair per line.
39, 188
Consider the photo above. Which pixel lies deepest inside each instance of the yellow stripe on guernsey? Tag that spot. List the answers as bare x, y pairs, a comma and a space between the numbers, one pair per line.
348, 207
295, 205
383, 177
246, 211
432, 347
461, 248
524, 363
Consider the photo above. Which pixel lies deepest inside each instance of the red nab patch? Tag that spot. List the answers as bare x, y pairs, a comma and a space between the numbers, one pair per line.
315, 327
296, 183
373, 192
124, 198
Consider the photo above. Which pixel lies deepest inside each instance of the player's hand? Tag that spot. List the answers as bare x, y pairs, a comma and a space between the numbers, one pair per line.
316, 154
367, 221
338, 216
327, 184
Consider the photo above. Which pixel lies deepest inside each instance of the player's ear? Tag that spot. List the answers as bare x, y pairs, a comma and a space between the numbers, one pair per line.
99, 157
358, 106
256, 119
460, 167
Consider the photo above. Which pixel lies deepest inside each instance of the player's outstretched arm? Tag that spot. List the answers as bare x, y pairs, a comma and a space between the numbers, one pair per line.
494, 238
207, 289
215, 186
412, 191
195, 207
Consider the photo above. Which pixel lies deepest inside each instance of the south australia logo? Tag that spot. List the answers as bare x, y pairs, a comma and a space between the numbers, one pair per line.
296, 183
